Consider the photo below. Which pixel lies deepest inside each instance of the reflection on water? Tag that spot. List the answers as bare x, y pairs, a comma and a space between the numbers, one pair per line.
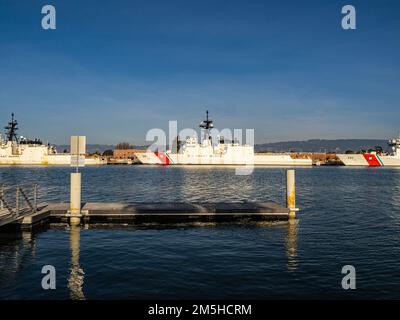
29, 241
396, 190
76, 275
15, 251
199, 184
291, 245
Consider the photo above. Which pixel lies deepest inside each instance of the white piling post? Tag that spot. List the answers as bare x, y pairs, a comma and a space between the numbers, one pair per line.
75, 204
78, 150
291, 193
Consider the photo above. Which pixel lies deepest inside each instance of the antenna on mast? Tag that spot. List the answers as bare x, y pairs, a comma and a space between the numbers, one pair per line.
207, 125
11, 129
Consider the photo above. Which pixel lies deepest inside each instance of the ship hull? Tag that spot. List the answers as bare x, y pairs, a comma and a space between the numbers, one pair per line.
38, 158
369, 160
51, 162
390, 161
165, 158
280, 160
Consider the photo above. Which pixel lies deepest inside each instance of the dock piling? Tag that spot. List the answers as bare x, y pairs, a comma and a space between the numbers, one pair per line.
291, 193
78, 151
75, 203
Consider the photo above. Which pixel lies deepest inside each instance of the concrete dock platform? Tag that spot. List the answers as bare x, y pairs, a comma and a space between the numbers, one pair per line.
162, 212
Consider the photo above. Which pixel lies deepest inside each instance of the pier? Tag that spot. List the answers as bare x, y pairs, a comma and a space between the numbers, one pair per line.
163, 212
19, 209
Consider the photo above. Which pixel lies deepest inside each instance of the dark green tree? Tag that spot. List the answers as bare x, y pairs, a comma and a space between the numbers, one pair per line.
124, 146
108, 153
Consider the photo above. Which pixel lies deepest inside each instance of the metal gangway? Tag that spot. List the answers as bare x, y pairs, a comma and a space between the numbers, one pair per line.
17, 202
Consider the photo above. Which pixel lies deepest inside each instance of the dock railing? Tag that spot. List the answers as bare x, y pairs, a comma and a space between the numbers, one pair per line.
15, 201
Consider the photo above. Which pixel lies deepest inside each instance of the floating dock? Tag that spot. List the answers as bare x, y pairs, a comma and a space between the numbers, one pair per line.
19, 208
163, 212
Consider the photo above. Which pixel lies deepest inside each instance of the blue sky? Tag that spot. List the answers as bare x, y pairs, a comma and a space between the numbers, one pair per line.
112, 70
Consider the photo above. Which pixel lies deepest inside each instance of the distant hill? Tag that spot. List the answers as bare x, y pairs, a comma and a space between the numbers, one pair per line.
319, 145
314, 145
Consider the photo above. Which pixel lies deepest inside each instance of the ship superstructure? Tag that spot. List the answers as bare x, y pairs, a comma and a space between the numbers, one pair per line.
224, 152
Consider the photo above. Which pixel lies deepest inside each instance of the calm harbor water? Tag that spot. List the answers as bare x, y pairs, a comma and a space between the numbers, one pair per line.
348, 216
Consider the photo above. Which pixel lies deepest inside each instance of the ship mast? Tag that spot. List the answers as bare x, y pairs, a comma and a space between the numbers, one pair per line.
11, 129
207, 125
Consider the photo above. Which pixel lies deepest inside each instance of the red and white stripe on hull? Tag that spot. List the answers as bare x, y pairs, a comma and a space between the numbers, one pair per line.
372, 160
366, 159
158, 157
163, 157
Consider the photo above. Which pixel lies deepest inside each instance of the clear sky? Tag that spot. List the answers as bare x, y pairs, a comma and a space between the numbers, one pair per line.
112, 70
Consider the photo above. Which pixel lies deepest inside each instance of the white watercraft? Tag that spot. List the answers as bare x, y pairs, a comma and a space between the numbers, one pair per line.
374, 158
16, 150
223, 153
